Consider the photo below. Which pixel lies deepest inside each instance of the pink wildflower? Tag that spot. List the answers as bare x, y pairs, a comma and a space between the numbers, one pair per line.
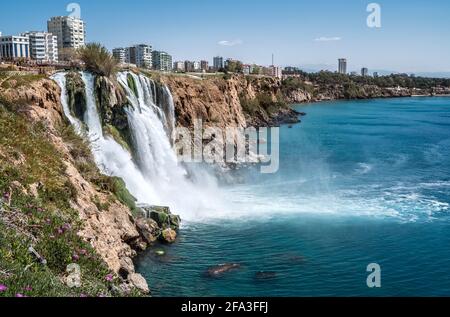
109, 277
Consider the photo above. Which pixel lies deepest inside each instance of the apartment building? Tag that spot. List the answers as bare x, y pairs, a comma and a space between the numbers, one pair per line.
161, 61
70, 31
14, 47
120, 54
43, 46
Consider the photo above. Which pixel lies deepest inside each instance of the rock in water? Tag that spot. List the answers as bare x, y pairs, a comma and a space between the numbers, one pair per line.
169, 235
139, 244
162, 215
138, 281
262, 275
219, 270
149, 229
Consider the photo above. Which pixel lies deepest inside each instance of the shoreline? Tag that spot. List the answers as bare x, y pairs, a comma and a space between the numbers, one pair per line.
361, 99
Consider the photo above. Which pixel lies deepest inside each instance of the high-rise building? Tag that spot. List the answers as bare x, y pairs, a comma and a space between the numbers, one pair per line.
375, 74
162, 61
204, 65
43, 46
364, 72
342, 66
70, 31
178, 66
140, 55
189, 66
14, 47
197, 66
218, 62
120, 54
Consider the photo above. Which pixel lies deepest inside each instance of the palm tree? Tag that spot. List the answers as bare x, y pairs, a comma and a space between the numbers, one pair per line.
98, 59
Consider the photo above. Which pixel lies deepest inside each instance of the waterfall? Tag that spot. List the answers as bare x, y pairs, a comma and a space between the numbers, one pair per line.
152, 173
60, 79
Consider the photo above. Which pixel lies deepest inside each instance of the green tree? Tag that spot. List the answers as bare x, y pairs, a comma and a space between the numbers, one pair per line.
98, 60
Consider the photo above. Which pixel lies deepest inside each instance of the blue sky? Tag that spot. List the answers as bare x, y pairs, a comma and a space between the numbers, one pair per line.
414, 36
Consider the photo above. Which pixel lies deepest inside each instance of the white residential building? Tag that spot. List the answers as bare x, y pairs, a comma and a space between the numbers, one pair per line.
43, 46
276, 71
71, 32
14, 47
197, 66
178, 66
140, 55
120, 54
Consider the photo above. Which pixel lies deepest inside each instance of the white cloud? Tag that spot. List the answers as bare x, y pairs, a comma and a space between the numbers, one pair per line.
328, 39
230, 43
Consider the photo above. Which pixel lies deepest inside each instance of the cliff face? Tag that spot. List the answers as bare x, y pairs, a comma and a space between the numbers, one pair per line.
317, 93
235, 101
105, 223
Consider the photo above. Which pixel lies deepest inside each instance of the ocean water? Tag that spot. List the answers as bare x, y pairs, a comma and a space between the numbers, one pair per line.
360, 182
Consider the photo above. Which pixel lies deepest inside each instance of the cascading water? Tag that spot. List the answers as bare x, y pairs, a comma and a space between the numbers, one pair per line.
60, 79
154, 153
152, 174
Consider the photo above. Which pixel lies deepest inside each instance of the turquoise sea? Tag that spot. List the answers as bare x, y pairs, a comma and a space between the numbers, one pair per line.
360, 182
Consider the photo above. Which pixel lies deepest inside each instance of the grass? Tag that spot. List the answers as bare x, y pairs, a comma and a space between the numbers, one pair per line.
17, 81
47, 222
84, 162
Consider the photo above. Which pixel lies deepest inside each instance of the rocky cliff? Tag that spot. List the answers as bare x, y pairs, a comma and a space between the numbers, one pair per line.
229, 101
297, 90
64, 182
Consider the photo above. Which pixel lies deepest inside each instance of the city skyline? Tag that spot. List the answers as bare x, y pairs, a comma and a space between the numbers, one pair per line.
298, 33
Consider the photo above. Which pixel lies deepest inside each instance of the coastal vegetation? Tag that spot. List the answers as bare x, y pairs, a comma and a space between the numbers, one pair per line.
38, 225
98, 60
393, 80
262, 102
38, 194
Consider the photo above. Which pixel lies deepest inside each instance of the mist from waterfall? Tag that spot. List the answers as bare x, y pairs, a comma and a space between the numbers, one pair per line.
151, 173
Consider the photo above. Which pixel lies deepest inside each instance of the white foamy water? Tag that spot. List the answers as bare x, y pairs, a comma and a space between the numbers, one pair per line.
152, 173
306, 184
60, 79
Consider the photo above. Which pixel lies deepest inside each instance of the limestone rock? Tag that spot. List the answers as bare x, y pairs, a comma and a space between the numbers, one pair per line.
126, 267
149, 229
73, 276
169, 235
139, 282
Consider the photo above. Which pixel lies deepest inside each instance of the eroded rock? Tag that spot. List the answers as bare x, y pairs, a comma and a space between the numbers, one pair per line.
149, 229
219, 270
126, 267
169, 235
138, 281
